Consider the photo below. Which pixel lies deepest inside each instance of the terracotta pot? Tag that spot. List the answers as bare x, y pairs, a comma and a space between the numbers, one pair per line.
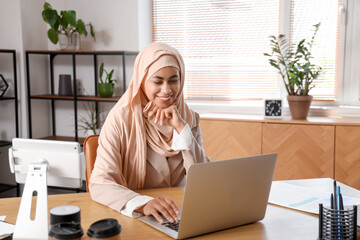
299, 106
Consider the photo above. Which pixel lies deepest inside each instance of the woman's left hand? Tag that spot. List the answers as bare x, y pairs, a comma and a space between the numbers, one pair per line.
168, 116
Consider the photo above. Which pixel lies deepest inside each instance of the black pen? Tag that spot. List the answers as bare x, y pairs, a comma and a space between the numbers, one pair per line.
332, 201
341, 202
335, 202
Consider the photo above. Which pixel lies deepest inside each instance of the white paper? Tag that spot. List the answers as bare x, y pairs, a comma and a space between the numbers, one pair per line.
6, 228
305, 195
2, 218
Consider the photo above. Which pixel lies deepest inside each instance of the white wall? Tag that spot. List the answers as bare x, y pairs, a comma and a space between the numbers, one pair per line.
11, 38
116, 24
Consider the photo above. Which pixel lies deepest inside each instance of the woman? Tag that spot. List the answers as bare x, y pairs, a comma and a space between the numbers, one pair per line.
149, 139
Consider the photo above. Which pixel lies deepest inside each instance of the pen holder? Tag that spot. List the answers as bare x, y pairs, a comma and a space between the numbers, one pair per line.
337, 224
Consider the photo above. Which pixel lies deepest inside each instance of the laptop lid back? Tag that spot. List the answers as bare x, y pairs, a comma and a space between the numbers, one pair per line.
224, 194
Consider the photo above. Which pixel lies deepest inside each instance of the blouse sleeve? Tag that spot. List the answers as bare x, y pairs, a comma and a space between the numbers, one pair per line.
196, 153
106, 176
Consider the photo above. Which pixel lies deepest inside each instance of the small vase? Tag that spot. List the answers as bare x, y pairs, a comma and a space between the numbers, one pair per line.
105, 89
68, 42
65, 88
299, 106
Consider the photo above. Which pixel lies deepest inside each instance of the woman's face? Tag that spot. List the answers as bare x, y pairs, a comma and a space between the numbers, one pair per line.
163, 86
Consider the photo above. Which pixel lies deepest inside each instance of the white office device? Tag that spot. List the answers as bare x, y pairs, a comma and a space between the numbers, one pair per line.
222, 194
38, 164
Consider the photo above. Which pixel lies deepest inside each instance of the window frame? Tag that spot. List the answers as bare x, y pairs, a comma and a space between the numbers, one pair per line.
347, 101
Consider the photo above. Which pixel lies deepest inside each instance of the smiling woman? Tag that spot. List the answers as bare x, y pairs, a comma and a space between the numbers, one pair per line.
150, 138
163, 86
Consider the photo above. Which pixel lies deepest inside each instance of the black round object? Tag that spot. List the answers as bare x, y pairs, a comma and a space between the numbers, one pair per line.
104, 228
65, 213
66, 230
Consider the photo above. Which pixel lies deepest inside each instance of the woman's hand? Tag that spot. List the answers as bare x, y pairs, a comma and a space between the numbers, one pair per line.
163, 205
168, 116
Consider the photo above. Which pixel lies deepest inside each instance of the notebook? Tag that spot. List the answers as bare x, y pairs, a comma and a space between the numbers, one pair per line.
222, 194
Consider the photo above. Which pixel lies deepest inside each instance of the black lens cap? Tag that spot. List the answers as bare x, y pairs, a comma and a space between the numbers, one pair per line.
104, 228
66, 230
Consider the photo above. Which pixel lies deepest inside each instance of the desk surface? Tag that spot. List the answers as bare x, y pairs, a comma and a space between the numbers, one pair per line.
279, 223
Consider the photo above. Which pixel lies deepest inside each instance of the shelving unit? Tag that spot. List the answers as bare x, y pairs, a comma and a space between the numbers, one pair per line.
14, 98
75, 98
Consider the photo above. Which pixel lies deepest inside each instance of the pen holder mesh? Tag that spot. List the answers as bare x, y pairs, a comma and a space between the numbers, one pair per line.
337, 224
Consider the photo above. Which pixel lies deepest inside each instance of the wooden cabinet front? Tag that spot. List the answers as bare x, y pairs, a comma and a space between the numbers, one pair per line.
230, 139
304, 151
347, 155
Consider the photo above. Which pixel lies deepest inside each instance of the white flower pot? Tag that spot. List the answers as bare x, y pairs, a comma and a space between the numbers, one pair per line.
68, 42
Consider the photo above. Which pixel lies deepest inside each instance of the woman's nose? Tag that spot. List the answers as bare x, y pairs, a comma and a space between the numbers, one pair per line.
166, 88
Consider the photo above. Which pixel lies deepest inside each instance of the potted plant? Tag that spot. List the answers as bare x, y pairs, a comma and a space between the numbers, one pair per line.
106, 87
92, 123
64, 28
297, 71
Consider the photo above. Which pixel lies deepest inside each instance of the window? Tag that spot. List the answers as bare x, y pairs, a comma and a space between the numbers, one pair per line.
222, 43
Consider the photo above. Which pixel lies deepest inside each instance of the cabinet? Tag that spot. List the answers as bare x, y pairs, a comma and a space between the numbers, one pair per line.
5, 176
53, 97
318, 147
304, 151
347, 155
230, 139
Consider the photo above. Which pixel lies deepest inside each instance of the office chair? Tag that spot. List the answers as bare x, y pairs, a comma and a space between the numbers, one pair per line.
90, 147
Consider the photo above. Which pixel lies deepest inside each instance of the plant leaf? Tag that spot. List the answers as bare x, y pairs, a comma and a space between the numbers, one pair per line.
53, 36
80, 27
101, 71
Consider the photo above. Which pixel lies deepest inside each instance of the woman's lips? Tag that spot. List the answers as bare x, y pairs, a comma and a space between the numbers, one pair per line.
164, 98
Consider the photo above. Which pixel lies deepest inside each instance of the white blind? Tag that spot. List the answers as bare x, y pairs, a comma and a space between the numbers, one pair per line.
222, 43
304, 14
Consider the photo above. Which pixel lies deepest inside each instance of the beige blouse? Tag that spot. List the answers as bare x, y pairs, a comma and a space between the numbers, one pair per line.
160, 172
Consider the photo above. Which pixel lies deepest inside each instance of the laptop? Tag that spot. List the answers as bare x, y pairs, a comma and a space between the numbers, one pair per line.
220, 195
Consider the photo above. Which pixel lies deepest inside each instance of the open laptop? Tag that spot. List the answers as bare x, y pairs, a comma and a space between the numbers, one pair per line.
222, 194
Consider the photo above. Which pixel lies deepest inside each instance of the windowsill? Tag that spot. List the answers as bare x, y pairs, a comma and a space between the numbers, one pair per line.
255, 109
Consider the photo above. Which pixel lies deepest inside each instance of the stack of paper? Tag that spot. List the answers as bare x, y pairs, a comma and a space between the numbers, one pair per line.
5, 228
305, 195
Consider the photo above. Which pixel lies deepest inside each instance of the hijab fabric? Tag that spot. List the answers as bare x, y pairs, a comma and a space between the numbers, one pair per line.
136, 105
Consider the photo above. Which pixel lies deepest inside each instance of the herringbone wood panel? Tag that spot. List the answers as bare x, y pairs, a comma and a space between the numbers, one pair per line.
230, 139
347, 155
304, 151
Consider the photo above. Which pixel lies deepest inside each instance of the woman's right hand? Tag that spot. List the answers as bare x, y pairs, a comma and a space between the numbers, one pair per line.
163, 205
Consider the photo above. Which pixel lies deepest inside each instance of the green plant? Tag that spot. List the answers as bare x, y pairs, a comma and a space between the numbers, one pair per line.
64, 23
92, 120
108, 78
295, 67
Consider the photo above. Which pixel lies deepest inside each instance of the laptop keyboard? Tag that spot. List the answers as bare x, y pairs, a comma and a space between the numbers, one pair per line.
174, 226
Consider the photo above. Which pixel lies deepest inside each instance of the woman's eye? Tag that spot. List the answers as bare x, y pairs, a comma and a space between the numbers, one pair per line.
173, 81
158, 83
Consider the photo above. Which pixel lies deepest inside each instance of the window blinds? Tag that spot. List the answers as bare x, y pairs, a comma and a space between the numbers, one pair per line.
222, 43
304, 14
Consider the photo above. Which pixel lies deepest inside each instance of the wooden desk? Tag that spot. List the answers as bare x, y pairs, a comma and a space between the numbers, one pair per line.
279, 223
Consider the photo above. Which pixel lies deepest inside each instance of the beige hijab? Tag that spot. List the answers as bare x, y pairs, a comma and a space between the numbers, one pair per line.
134, 107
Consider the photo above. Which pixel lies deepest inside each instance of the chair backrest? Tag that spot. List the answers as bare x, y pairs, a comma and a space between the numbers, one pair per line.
90, 147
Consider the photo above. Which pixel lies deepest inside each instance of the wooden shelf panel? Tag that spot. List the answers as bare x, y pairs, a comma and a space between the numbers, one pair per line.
63, 138
6, 98
78, 98
83, 52
7, 50
5, 143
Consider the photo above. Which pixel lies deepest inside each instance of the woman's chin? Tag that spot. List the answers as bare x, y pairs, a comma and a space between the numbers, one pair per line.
162, 104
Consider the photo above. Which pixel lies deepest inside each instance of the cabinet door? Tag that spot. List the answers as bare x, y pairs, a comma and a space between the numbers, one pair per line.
230, 139
347, 156
304, 151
